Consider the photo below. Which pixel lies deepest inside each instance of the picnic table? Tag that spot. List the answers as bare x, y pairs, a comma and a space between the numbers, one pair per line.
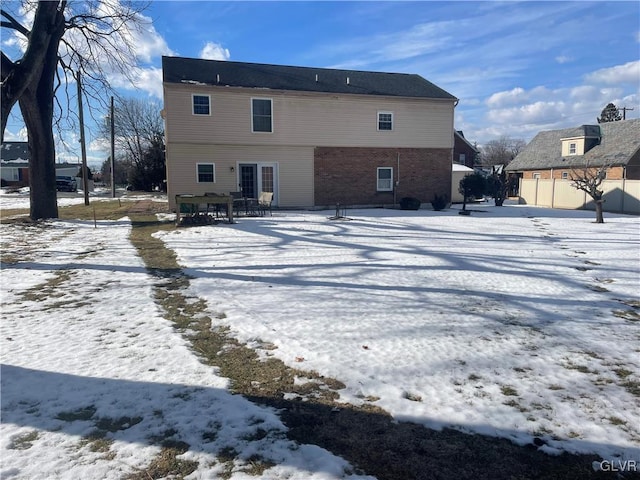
190, 205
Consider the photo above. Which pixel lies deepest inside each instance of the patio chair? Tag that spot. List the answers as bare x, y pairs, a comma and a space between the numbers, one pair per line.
264, 202
239, 204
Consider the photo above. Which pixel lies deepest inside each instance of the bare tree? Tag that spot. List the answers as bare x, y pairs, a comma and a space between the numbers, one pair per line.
501, 151
139, 136
589, 179
65, 39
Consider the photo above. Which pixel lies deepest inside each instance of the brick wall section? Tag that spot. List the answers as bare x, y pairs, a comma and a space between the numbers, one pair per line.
347, 175
613, 173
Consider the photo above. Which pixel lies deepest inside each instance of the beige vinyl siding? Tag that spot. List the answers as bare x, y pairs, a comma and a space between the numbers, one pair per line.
579, 143
308, 119
295, 167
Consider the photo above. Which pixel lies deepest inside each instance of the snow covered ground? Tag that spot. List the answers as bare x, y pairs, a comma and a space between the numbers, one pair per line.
512, 322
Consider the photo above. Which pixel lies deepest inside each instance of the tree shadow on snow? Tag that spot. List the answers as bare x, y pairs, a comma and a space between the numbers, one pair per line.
211, 420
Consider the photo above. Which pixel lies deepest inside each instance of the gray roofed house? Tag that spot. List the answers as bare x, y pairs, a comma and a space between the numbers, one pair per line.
613, 143
14, 163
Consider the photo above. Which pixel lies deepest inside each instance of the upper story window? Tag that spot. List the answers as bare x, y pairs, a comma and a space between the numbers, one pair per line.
201, 105
536, 174
572, 149
565, 175
261, 115
206, 172
385, 121
462, 159
385, 179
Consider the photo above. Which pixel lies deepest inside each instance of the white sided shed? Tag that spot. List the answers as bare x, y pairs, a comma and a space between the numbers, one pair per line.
458, 172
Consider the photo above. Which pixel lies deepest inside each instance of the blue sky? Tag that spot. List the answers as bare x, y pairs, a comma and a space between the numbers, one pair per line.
517, 67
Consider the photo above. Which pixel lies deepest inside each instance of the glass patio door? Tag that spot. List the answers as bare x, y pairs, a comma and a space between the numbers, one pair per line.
259, 177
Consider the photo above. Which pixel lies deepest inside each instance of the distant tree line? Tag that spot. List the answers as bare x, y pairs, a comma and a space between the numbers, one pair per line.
140, 148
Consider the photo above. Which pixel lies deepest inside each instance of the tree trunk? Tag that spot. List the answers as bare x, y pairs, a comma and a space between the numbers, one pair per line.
36, 105
16, 77
599, 216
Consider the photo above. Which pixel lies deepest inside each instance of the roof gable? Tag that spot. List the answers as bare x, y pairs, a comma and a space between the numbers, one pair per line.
619, 141
308, 79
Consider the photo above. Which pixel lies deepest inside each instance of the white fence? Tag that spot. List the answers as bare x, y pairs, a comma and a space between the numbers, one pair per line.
620, 196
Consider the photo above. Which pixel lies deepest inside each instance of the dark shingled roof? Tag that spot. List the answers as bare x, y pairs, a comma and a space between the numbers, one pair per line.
619, 141
302, 79
15, 152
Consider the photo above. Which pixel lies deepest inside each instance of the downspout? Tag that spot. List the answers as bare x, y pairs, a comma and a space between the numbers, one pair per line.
395, 193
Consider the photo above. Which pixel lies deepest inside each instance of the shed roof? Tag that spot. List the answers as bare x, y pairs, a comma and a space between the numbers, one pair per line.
308, 79
619, 142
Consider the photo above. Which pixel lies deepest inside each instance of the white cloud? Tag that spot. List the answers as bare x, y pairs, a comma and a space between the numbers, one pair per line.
516, 95
563, 59
147, 80
214, 51
627, 73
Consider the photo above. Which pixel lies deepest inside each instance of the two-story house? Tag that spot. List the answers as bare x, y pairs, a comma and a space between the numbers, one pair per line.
312, 136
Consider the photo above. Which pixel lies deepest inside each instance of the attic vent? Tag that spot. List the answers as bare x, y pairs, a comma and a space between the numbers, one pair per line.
218, 78
316, 77
347, 80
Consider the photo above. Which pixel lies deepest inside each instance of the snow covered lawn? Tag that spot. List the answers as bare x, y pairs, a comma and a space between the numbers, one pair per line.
510, 322
514, 322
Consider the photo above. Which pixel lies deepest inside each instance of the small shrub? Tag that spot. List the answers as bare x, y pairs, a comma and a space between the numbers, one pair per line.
439, 202
409, 203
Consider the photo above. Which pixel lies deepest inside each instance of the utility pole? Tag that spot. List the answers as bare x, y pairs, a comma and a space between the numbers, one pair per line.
113, 151
83, 147
624, 112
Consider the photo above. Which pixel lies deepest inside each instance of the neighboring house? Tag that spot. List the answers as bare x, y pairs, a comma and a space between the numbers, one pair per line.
14, 164
312, 136
555, 153
464, 152
546, 165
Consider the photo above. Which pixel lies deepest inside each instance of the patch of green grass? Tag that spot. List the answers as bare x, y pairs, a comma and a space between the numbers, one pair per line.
412, 396
633, 387
513, 403
23, 441
81, 414
616, 421
509, 391
630, 315
579, 368
167, 465
117, 424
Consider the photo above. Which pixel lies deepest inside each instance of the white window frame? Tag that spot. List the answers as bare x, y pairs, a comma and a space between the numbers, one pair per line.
213, 165
536, 175
193, 104
384, 112
253, 130
573, 148
462, 158
565, 175
383, 188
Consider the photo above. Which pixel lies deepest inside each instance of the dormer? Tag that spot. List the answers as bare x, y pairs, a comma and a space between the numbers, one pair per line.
581, 140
